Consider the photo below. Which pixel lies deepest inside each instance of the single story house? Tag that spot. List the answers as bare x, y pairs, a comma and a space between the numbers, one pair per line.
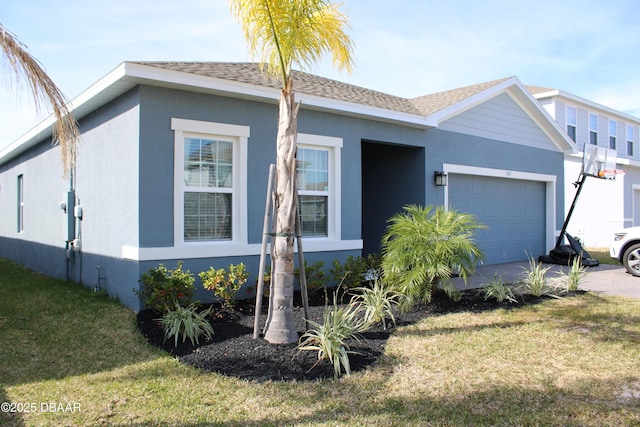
174, 157
603, 207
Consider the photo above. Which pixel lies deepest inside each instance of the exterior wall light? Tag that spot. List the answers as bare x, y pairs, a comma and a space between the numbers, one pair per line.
440, 178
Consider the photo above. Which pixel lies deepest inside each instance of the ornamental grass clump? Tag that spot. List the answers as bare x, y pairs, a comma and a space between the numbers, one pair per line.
572, 278
340, 324
535, 279
500, 291
423, 247
186, 322
377, 303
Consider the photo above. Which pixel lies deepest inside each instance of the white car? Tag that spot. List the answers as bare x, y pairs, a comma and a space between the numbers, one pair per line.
626, 249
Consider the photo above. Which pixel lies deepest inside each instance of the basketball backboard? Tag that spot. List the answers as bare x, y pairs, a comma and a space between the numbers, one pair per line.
598, 161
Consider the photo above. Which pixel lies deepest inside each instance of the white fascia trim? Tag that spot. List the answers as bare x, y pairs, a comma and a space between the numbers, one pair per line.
543, 119
171, 78
550, 191
470, 102
229, 250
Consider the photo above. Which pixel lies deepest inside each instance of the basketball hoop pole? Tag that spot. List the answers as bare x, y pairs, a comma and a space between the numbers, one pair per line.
579, 184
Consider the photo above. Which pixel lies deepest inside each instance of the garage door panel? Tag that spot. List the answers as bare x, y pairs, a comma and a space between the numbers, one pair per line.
512, 210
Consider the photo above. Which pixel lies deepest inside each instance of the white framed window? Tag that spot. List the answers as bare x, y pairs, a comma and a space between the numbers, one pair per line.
593, 129
613, 131
630, 139
318, 181
572, 122
20, 224
209, 182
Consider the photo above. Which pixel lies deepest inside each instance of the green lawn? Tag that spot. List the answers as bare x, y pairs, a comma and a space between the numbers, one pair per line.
573, 362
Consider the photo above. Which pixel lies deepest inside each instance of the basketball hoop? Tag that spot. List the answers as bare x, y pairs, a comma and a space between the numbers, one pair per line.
610, 174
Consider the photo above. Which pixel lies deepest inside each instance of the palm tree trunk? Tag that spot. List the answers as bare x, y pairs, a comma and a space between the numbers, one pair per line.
281, 328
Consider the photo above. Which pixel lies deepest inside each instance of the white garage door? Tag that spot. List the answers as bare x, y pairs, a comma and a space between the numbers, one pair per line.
513, 210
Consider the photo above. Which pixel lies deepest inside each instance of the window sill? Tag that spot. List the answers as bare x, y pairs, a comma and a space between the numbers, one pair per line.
229, 249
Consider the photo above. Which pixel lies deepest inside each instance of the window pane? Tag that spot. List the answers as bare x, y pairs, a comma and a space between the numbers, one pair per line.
208, 163
313, 215
571, 131
593, 122
207, 216
313, 169
593, 138
571, 116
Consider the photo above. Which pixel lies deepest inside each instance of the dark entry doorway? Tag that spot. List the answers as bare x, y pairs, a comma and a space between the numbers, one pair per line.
392, 176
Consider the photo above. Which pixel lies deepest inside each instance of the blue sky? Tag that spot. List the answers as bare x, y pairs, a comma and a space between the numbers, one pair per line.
590, 48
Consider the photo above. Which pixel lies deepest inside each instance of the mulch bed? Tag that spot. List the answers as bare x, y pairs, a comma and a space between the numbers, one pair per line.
234, 352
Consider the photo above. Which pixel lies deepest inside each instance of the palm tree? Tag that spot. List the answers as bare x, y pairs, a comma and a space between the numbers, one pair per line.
26, 68
281, 33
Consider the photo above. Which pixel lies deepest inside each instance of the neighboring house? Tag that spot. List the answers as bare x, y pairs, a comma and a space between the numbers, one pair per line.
174, 159
603, 207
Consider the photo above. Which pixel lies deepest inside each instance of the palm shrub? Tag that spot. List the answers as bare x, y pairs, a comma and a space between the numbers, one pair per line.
340, 324
186, 322
377, 302
424, 246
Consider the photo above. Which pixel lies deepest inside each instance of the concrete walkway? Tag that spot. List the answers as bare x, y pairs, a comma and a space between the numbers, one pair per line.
606, 279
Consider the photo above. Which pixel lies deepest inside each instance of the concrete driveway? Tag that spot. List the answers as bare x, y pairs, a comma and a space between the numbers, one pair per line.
605, 279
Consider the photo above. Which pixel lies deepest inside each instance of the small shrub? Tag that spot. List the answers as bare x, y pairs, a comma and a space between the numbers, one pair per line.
162, 288
329, 339
535, 280
188, 322
377, 303
349, 274
225, 284
498, 290
314, 275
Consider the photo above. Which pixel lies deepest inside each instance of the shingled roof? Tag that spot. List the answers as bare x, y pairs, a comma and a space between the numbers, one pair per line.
304, 83
311, 84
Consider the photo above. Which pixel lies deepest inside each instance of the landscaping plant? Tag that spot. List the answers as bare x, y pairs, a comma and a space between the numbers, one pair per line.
572, 278
535, 280
188, 322
424, 247
377, 302
225, 284
349, 274
314, 275
498, 290
340, 324
161, 289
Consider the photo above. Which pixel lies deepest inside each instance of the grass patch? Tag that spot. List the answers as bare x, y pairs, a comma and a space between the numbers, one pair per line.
602, 255
572, 361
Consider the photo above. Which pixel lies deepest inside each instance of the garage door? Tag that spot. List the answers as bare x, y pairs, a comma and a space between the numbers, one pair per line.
513, 210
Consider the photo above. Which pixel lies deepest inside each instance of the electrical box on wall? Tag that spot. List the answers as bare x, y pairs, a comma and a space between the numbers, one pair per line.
69, 218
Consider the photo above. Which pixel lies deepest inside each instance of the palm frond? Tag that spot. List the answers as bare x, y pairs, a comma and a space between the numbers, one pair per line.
286, 32
25, 68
